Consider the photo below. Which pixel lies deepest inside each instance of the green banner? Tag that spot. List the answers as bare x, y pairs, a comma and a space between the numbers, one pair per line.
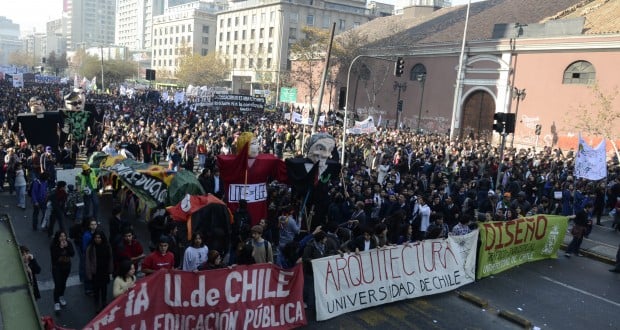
288, 95
505, 244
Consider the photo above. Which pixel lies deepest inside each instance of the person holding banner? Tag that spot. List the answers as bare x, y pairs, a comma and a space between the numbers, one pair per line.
581, 221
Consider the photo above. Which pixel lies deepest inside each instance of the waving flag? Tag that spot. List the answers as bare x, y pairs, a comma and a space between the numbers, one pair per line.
591, 162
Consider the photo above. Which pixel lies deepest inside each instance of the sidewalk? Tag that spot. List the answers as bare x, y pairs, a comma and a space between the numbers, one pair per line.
601, 244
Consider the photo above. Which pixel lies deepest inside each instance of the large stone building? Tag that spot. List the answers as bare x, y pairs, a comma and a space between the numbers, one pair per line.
186, 27
255, 36
536, 59
134, 22
90, 22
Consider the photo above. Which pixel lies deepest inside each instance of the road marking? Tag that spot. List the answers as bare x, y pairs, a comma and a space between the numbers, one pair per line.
73, 280
581, 291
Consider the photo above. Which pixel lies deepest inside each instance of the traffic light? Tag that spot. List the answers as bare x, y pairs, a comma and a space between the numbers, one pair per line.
43, 60
499, 119
399, 67
509, 122
399, 106
538, 129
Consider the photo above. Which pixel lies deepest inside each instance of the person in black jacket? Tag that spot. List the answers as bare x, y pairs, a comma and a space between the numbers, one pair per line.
61, 251
581, 221
32, 269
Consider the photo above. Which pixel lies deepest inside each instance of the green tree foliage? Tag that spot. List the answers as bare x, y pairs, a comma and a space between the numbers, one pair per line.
200, 70
56, 64
114, 71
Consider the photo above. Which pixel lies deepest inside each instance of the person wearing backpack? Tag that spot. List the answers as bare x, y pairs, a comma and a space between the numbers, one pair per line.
262, 252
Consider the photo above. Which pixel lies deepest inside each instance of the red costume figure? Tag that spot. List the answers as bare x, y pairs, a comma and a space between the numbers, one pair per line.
247, 174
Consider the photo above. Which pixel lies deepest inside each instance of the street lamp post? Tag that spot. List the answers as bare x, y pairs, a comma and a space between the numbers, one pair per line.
421, 78
519, 95
102, 88
401, 87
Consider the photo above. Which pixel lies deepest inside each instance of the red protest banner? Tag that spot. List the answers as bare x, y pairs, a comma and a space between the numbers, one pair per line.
245, 297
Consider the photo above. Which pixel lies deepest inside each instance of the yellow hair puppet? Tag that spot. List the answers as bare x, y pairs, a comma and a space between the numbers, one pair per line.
243, 139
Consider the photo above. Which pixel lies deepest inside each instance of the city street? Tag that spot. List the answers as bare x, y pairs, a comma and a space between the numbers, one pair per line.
553, 294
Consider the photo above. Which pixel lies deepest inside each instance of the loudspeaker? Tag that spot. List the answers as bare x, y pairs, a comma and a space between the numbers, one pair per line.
342, 98
150, 74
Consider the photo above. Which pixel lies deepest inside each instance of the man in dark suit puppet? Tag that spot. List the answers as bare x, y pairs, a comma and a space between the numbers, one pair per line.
311, 177
39, 126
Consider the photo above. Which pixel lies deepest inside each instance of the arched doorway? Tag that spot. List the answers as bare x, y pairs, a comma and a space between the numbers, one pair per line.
478, 112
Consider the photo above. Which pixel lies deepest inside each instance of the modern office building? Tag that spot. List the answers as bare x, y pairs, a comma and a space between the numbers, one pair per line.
56, 40
9, 39
134, 22
90, 22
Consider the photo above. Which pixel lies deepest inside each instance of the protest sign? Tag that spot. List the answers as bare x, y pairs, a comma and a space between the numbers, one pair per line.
245, 297
380, 276
505, 244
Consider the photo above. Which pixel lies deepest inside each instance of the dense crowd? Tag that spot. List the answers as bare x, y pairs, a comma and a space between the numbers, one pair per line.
396, 187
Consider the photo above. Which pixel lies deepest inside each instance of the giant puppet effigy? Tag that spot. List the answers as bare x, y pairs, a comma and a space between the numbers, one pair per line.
52, 128
312, 176
247, 174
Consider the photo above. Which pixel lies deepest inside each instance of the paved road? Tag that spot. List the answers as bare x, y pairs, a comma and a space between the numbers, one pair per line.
549, 293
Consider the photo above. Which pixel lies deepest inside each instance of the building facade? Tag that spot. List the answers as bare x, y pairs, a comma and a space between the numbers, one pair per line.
90, 23
134, 22
188, 27
255, 36
9, 39
544, 64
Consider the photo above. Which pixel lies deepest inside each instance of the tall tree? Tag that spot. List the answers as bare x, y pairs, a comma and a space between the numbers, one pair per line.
601, 117
21, 58
202, 70
309, 53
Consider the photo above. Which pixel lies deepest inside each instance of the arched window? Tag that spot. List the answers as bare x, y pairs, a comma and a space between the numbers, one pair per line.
418, 73
580, 72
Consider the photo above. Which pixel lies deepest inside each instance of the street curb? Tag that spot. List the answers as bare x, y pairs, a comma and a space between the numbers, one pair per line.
592, 255
473, 299
516, 318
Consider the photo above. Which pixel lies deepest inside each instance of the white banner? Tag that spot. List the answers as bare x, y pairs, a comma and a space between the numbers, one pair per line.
591, 163
18, 80
298, 119
252, 193
380, 276
366, 126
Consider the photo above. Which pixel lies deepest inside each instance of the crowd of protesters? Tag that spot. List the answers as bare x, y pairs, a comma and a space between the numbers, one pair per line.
396, 187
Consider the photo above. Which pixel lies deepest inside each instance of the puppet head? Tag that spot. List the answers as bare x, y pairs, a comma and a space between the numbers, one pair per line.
36, 105
320, 147
75, 100
248, 138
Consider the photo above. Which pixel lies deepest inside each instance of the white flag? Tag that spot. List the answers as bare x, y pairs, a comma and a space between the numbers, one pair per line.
591, 163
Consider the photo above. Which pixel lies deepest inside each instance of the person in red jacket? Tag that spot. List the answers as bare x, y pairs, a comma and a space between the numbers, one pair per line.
128, 249
160, 258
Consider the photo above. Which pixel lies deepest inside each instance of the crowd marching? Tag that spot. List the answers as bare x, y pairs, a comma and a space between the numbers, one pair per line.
395, 187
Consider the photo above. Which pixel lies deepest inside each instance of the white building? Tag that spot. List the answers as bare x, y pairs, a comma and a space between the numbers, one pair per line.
255, 36
134, 22
90, 23
186, 27
56, 40
9, 39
